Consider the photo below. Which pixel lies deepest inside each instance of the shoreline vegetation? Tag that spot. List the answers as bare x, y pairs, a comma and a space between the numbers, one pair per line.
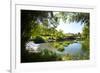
50, 44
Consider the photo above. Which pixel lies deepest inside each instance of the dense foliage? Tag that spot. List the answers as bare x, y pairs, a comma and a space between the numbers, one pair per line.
40, 27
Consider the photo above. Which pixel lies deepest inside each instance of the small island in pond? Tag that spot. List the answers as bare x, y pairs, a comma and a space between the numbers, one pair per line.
54, 36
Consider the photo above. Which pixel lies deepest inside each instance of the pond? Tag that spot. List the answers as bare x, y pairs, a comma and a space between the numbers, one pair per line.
72, 49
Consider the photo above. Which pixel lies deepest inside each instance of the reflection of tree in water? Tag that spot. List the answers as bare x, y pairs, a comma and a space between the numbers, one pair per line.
29, 20
39, 26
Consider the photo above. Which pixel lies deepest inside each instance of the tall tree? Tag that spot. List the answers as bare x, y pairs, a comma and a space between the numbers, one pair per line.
29, 20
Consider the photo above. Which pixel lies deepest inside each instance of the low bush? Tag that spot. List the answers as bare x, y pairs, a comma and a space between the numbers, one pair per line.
38, 39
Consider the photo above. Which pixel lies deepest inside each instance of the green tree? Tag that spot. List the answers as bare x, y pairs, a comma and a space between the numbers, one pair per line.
31, 19
84, 18
75, 17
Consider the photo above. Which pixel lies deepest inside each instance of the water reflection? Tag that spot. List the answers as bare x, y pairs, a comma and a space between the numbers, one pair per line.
72, 49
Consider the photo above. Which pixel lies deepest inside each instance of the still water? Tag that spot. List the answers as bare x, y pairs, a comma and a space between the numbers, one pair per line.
72, 49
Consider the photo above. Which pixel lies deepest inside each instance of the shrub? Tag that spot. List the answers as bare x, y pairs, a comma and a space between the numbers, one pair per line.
85, 45
38, 39
61, 48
